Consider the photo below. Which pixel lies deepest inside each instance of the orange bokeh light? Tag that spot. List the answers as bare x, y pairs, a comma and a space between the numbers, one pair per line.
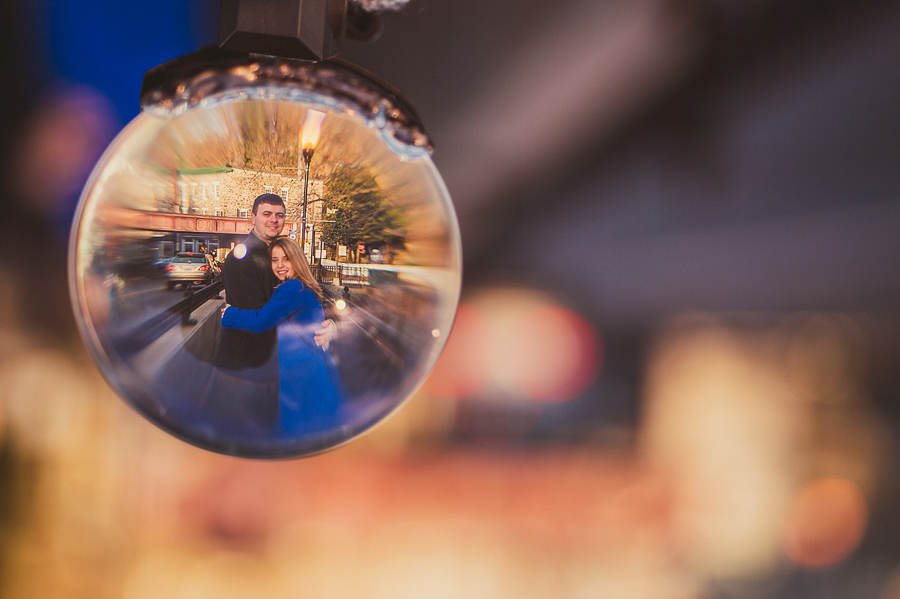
517, 345
826, 522
550, 354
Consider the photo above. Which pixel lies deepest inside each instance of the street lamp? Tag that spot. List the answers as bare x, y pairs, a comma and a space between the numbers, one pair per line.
312, 243
309, 139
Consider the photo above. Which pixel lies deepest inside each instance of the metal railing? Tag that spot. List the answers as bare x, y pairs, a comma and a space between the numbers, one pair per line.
352, 275
179, 314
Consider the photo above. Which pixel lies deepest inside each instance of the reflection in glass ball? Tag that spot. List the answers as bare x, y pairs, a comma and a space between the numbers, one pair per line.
166, 234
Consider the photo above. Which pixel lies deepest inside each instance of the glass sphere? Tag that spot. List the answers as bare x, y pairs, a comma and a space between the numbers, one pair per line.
166, 236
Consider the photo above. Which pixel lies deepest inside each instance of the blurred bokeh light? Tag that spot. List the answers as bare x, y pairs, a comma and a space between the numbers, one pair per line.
520, 344
826, 522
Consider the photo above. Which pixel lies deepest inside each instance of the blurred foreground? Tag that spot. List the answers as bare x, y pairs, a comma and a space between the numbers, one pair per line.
760, 466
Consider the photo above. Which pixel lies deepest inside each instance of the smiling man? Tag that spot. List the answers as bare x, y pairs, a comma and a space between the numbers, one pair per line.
267, 219
249, 282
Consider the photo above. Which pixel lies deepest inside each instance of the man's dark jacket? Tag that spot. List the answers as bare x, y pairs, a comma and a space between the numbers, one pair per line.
249, 282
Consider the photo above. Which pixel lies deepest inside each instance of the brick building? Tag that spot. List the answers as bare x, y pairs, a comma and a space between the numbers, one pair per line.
211, 207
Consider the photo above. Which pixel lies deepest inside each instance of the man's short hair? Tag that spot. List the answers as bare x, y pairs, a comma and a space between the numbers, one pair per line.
267, 198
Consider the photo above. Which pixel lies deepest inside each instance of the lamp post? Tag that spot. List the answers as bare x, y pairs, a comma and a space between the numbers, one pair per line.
309, 139
312, 243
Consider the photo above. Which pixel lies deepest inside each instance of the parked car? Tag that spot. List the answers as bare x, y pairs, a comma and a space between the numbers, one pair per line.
161, 263
187, 268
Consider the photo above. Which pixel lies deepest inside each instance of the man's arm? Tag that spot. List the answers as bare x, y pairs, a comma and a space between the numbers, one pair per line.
326, 334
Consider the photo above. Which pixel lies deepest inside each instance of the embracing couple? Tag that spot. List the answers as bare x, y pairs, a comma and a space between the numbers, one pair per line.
274, 339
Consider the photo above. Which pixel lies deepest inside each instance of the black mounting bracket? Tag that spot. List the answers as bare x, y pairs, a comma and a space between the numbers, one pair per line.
300, 29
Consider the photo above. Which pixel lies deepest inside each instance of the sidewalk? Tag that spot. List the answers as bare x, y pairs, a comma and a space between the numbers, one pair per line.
198, 338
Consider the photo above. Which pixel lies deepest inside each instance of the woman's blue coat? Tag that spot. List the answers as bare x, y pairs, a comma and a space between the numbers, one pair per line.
310, 389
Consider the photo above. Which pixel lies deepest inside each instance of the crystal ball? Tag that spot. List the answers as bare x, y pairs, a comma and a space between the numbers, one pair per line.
265, 262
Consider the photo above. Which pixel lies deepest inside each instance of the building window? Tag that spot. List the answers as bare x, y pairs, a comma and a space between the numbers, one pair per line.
204, 211
284, 194
242, 213
270, 188
219, 212
184, 199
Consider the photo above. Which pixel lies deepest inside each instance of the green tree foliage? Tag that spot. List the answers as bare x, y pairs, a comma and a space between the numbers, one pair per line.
362, 213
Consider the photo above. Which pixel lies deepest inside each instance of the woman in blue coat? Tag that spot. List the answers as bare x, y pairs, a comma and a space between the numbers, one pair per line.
310, 388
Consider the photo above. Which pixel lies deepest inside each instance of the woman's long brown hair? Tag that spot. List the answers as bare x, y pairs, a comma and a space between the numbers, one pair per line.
301, 267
